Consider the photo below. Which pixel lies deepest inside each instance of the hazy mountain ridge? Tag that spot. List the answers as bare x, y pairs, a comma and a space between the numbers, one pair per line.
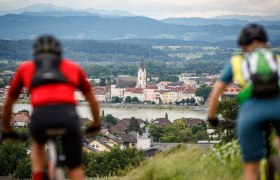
108, 28
43, 9
275, 17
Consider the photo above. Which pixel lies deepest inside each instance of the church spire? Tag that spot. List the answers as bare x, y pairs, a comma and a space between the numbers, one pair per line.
141, 79
141, 65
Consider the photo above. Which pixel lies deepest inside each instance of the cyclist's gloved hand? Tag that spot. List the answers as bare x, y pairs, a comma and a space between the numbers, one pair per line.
214, 122
11, 135
93, 129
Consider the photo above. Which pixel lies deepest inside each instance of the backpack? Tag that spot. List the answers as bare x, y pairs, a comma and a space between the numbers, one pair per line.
47, 70
261, 71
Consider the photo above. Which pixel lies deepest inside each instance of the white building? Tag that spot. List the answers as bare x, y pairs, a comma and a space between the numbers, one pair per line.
79, 96
144, 141
134, 92
142, 77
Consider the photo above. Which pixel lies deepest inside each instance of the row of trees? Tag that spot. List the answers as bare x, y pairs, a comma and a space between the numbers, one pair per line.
179, 132
115, 163
16, 163
128, 99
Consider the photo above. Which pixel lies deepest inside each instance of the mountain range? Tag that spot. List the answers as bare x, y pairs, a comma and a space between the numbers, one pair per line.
67, 23
45, 9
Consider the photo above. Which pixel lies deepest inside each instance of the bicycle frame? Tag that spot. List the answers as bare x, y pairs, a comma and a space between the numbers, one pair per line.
267, 171
55, 172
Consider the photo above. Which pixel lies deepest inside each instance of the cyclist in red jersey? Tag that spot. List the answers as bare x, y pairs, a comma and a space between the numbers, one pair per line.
51, 81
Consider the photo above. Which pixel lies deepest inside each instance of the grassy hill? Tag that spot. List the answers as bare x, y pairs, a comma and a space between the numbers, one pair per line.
195, 164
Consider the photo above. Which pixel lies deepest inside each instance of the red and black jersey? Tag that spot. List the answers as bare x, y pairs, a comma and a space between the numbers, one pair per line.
50, 93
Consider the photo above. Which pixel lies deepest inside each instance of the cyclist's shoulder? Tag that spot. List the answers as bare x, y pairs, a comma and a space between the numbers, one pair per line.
237, 56
69, 63
25, 65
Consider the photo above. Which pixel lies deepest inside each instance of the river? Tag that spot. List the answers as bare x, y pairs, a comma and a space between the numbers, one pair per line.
143, 113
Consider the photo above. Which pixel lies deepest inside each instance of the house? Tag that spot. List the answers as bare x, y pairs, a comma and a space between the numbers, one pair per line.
121, 83
230, 92
190, 122
87, 148
123, 124
149, 93
112, 140
212, 133
20, 119
161, 122
99, 145
127, 140
145, 141
79, 96
24, 94
103, 93
134, 92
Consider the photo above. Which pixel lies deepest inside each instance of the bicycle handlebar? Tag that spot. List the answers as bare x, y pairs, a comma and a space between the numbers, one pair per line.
14, 136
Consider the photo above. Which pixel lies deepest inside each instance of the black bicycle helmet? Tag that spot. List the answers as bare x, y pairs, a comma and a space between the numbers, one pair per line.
250, 33
47, 44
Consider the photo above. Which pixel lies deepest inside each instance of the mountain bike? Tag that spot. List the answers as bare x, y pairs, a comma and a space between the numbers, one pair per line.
270, 164
56, 158
55, 168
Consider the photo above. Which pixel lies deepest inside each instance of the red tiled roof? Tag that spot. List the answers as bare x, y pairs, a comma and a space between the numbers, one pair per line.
161, 121
192, 121
20, 117
134, 90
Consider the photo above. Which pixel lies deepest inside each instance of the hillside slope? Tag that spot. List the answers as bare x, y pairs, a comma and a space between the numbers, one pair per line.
184, 163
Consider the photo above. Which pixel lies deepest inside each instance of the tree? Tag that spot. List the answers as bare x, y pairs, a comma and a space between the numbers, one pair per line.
156, 132
110, 119
203, 91
228, 108
192, 101
23, 170
128, 99
116, 99
11, 154
102, 82
112, 163
133, 125
135, 99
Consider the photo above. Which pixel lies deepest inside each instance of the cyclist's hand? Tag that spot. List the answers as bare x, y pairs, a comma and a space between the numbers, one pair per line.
92, 130
10, 135
214, 122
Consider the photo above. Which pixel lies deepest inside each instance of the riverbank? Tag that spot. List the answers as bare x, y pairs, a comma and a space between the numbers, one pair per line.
134, 106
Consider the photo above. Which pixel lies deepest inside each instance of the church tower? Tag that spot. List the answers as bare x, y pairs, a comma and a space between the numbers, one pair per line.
141, 78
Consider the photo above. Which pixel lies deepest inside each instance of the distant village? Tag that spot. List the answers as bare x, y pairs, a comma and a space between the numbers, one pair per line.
118, 135
140, 89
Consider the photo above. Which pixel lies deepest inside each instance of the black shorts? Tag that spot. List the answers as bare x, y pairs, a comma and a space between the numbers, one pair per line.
59, 116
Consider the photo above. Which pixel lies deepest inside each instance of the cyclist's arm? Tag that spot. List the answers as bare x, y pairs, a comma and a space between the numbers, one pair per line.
13, 93
218, 89
94, 107
87, 91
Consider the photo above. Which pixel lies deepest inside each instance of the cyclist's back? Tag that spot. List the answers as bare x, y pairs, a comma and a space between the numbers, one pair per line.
256, 70
51, 81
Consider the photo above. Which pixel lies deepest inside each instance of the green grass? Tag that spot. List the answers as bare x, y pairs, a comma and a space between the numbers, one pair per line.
184, 163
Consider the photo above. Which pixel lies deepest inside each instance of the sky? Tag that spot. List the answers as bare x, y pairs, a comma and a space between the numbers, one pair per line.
160, 9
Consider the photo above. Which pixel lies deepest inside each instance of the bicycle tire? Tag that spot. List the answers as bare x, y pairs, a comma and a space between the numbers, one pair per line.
275, 162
